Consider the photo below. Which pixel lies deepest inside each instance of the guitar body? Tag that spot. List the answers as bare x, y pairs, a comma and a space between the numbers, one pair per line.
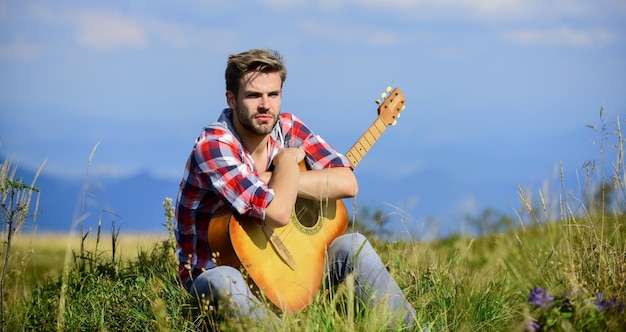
286, 264
242, 243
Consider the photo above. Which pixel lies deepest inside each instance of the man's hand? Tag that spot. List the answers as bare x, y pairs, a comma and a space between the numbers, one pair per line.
288, 156
289, 182
284, 180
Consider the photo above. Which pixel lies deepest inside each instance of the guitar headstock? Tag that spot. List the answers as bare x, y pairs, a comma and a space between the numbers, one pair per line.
391, 106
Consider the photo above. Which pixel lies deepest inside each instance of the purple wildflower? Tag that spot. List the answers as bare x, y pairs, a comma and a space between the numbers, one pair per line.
600, 302
533, 326
540, 298
612, 303
567, 303
603, 304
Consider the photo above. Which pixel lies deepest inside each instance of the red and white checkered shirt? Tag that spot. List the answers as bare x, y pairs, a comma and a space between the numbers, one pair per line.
221, 172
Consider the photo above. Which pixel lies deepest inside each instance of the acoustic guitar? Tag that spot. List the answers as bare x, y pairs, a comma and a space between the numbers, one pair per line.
286, 265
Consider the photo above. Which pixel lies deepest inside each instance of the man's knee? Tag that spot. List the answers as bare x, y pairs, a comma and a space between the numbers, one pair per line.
349, 245
217, 282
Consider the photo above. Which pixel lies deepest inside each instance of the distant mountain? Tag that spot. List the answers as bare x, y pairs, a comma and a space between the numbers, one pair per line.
133, 203
430, 202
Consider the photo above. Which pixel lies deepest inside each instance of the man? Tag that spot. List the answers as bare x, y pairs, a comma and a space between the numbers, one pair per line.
247, 162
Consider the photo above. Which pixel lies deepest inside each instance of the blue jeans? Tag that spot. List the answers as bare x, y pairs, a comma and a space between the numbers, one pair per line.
350, 253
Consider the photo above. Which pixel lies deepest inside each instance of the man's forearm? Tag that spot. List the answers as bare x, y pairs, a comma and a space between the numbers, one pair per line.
328, 183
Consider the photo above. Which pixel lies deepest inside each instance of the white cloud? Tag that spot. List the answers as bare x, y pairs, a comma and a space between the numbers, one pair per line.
565, 36
432, 8
343, 33
105, 29
285, 4
20, 49
181, 36
481, 6
108, 30
173, 34
491, 10
95, 28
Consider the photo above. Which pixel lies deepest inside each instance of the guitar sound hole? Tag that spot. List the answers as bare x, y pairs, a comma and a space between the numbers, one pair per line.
307, 212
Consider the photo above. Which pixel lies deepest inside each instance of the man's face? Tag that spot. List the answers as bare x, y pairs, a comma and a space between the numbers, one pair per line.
257, 105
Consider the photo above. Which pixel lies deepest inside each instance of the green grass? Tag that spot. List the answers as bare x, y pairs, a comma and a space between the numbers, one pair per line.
455, 284
459, 283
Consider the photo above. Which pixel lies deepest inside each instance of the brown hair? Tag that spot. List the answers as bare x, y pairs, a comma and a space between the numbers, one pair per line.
260, 60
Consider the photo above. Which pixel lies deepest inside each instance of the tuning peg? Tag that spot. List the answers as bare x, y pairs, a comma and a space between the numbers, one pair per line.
377, 101
402, 108
388, 89
397, 116
383, 95
394, 122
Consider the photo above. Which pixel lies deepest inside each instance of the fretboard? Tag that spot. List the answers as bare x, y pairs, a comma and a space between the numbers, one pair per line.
365, 143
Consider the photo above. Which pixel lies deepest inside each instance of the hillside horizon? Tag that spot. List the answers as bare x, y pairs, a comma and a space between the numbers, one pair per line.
134, 203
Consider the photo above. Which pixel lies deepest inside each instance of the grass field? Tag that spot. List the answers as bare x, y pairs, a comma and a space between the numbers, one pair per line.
456, 284
546, 274
43, 256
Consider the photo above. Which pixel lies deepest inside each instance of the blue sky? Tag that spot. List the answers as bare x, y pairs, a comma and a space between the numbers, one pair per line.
498, 92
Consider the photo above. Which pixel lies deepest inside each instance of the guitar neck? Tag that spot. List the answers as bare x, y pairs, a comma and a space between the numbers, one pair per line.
365, 143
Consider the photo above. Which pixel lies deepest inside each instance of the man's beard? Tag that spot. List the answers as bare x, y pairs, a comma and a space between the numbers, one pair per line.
249, 123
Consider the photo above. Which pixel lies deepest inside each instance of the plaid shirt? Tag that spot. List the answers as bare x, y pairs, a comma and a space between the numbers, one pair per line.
221, 172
